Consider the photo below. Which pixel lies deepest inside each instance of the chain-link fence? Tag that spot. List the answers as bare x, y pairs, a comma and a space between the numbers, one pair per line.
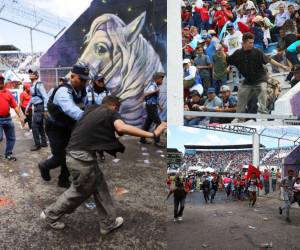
50, 76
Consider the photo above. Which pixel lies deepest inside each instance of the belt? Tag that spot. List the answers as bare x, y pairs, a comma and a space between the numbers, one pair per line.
4, 116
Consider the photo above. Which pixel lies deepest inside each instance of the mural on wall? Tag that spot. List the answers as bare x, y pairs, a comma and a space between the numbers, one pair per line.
126, 47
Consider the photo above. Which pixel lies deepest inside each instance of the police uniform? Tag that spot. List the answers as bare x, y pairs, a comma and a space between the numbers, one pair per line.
65, 107
152, 102
39, 100
96, 94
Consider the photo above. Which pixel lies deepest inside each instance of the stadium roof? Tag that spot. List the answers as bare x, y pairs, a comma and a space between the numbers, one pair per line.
241, 146
293, 157
173, 150
8, 47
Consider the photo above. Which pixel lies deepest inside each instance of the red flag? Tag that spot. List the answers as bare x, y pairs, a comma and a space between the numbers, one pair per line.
251, 170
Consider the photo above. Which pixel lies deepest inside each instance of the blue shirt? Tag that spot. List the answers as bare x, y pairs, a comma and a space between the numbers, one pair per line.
40, 96
64, 99
97, 97
230, 102
153, 99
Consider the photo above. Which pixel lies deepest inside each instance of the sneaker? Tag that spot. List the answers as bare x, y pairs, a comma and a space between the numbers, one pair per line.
10, 157
280, 210
44, 145
144, 141
63, 183
179, 218
118, 223
35, 148
45, 172
55, 225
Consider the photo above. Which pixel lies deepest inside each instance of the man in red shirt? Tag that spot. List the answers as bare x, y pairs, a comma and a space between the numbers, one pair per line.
7, 101
222, 15
24, 100
266, 176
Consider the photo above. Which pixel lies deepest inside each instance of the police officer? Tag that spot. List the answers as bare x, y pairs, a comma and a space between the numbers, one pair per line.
65, 108
39, 101
96, 91
151, 95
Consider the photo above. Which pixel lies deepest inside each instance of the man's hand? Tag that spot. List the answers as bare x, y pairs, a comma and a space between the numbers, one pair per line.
46, 115
160, 129
21, 118
286, 68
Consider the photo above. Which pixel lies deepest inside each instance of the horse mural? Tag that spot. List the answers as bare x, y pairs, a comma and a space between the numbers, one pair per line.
125, 58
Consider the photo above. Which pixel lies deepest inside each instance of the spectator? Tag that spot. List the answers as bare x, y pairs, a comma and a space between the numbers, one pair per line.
280, 18
196, 101
204, 65
229, 103
220, 69
190, 75
210, 46
25, 97
233, 40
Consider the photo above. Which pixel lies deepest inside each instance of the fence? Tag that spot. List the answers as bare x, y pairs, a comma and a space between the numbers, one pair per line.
50, 76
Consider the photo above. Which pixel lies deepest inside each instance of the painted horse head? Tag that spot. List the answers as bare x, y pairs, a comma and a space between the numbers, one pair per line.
125, 58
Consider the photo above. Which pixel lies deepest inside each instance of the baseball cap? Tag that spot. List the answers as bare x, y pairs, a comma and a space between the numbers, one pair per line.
81, 70
224, 3
225, 88
185, 61
206, 36
33, 72
99, 77
230, 26
211, 90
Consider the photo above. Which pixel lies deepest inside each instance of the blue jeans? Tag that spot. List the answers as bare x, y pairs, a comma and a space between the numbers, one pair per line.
8, 127
218, 83
194, 121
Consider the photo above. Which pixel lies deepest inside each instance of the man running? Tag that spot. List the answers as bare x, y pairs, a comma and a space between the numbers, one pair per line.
95, 131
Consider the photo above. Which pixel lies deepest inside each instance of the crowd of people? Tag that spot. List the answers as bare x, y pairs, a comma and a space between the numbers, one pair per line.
80, 120
238, 186
17, 60
222, 39
235, 160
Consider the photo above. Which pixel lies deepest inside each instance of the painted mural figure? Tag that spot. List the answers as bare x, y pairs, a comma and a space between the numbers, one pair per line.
127, 61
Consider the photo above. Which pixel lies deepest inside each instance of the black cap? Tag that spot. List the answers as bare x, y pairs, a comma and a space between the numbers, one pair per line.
195, 92
33, 72
82, 71
99, 77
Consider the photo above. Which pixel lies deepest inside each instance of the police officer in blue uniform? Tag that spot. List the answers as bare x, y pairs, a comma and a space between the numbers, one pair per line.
151, 94
96, 91
65, 107
39, 101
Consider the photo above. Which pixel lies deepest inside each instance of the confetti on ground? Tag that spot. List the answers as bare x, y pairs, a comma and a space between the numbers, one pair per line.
115, 160
146, 161
24, 175
251, 227
159, 151
5, 201
10, 170
145, 154
121, 191
163, 156
144, 149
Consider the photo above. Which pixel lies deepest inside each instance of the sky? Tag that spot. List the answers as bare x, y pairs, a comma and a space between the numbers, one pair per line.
180, 136
67, 10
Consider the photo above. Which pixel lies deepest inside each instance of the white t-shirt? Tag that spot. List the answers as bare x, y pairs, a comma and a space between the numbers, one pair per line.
297, 186
233, 42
